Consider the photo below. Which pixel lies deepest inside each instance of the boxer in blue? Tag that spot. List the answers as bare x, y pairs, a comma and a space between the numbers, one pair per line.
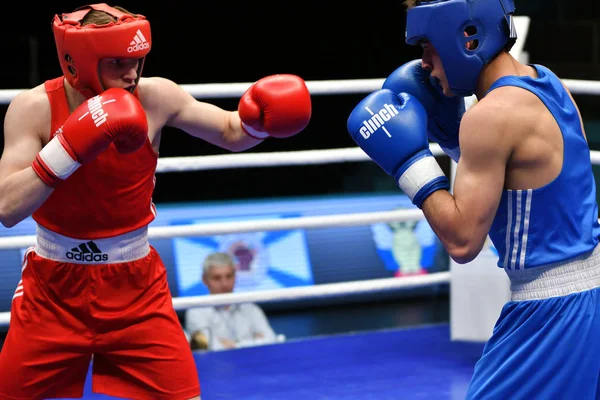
523, 176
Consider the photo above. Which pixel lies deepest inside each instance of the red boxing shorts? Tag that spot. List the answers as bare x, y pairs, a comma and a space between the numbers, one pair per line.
121, 313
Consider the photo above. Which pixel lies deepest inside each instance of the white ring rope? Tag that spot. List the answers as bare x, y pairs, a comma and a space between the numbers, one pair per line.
270, 159
322, 87
313, 292
222, 228
328, 290
282, 158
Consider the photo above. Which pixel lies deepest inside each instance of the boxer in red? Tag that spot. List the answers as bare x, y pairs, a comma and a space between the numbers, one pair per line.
80, 157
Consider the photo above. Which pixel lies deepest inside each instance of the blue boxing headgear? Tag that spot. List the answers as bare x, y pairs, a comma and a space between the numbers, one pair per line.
488, 23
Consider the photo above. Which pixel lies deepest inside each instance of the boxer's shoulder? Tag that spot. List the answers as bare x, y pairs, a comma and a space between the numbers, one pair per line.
156, 89
159, 95
29, 111
35, 98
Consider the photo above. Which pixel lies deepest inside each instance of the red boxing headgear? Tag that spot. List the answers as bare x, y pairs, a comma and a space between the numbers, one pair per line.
80, 48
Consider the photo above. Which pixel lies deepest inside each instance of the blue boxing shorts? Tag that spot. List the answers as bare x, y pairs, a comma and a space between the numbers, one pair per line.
546, 342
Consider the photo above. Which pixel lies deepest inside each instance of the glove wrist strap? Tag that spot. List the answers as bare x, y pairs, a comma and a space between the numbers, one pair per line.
55, 162
420, 176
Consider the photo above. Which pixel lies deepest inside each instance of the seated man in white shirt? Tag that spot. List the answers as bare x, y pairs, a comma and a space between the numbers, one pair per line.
230, 326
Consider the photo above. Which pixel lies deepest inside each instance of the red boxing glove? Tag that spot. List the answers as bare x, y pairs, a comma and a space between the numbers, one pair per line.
277, 106
113, 116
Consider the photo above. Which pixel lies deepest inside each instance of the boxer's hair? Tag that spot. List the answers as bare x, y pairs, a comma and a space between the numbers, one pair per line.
97, 17
411, 3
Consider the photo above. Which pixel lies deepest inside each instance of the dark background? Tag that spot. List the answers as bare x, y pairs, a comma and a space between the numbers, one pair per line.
242, 41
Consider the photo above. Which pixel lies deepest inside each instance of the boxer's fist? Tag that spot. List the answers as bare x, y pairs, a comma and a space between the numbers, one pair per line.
389, 128
444, 113
277, 106
115, 116
392, 130
130, 127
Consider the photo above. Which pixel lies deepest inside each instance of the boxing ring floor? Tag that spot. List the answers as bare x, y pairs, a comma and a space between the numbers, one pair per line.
415, 363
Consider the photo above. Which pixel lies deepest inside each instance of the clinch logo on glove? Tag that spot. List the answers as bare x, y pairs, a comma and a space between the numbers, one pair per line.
88, 252
378, 120
96, 111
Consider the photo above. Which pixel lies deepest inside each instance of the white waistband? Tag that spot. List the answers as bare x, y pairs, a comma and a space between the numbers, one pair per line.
127, 247
560, 279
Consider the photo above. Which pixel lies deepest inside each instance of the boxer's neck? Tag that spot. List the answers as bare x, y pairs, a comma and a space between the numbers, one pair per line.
503, 65
74, 98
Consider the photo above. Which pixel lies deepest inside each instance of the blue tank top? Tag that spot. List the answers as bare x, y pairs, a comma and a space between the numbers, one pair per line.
558, 221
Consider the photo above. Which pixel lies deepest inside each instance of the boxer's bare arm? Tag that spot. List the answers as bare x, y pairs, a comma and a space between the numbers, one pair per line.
173, 106
21, 190
462, 221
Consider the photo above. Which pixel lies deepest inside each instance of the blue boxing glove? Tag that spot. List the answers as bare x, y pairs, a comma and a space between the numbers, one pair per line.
444, 113
392, 130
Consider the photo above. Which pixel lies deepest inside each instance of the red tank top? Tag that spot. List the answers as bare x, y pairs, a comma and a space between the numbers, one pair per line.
107, 197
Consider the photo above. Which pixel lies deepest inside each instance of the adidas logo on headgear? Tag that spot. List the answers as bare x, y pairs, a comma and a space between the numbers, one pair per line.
87, 252
138, 43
